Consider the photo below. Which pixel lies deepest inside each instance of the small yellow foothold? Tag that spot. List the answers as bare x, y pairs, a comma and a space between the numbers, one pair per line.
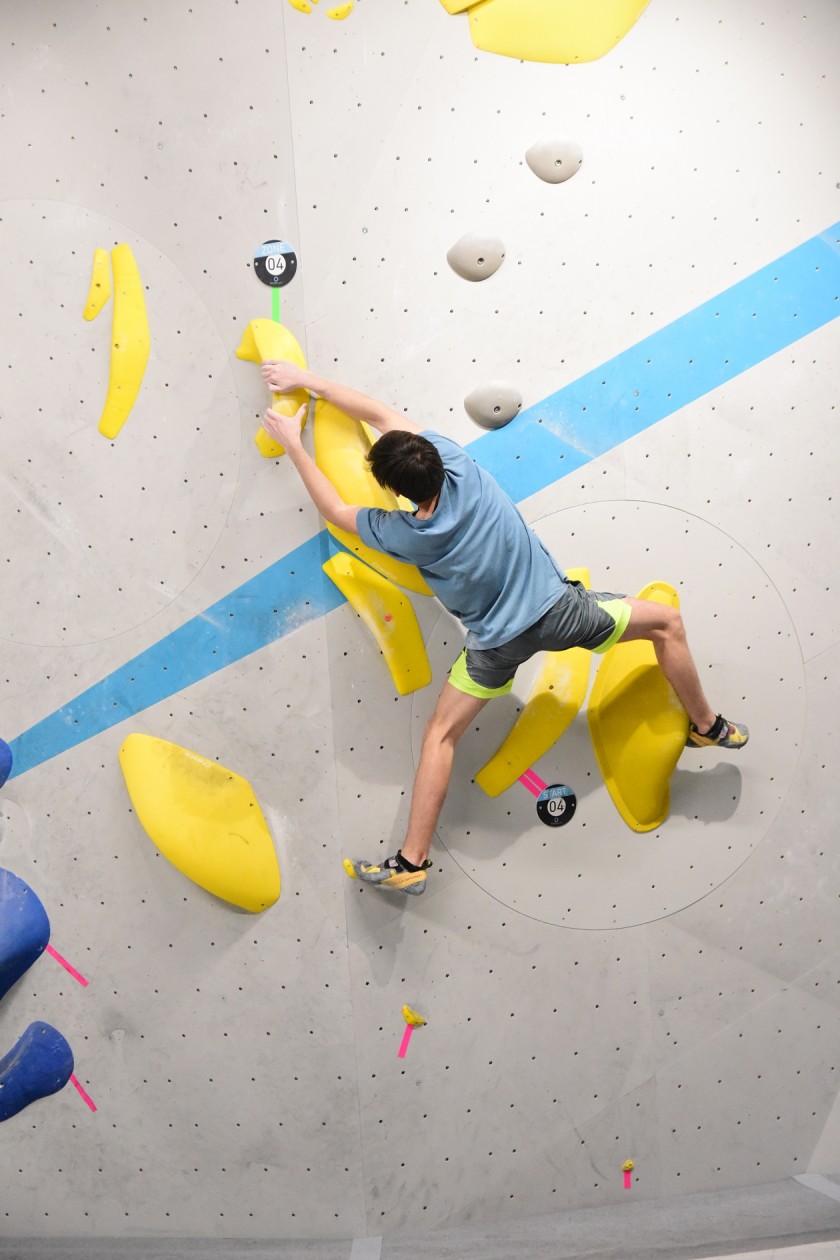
628, 1166
341, 11
100, 284
349, 868
302, 6
411, 1017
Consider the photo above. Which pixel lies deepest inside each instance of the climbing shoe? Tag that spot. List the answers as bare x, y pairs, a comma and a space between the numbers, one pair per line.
722, 734
394, 873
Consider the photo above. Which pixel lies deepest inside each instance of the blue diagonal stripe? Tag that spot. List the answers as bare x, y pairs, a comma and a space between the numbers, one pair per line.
287, 595
695, 354
702, 350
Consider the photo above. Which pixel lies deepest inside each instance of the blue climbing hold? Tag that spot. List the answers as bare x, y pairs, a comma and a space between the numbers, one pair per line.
40, 1064
5, 762
24, 929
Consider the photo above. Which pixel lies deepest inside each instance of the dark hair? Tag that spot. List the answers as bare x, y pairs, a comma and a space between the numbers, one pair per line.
408, 464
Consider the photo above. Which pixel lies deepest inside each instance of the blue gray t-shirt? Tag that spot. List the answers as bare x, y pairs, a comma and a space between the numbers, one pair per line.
475, 551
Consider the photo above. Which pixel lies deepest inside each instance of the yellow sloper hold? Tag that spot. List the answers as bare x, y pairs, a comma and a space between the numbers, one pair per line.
637, 725
266, 339
558, 31
555, 699
411, 1017
341, 11
302, 6
204, 819
388, 615
129, 342
100, 284
341, 445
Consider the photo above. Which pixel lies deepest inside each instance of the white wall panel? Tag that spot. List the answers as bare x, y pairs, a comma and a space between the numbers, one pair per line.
245, 1069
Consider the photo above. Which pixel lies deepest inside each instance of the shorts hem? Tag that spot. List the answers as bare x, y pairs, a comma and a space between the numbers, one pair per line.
621, 613
461, 681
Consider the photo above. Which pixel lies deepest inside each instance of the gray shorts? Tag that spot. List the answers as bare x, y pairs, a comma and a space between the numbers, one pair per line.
586, 619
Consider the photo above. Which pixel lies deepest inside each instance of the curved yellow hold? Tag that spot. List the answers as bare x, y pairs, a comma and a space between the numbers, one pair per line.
559, 31
638, 726
411, 1017
341, 445
388, 615
341, 11
204, 819
555, 699
266, 339
100, 284
129, 342
302, 6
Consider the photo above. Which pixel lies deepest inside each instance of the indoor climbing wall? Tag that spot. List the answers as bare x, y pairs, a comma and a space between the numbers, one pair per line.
616, 280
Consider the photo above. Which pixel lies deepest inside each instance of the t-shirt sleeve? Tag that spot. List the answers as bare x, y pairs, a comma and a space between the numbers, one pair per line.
372, 524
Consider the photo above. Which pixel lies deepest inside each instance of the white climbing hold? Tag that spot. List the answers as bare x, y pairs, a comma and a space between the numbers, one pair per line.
493, 404
475, 257
555, 160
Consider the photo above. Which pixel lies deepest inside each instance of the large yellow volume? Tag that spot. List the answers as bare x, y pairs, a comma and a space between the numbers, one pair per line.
555, 699
341, 445
638, 726
388, 615
129, 342
560, 31
266, 339
204, 819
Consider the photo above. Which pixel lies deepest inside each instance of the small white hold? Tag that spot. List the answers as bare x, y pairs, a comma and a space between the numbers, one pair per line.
555, 160
493, 404
475, 257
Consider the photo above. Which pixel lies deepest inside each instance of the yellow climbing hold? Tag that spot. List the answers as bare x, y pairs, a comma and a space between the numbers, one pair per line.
556, 697
302, 6
204, 819
389, 616
341, 11
561, 31
638, 726
341, 445
412, 1018
129, 342
266, 339
100, 284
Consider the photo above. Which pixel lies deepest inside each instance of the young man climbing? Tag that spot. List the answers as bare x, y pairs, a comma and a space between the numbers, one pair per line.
489, 569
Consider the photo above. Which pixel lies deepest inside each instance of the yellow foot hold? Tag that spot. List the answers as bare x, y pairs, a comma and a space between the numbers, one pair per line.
560, 31
302, 6
266, 339
389, 616
411, 1017
204, 819
100, 284
555, 699
341, 11
349, 868
637, 725
129, 342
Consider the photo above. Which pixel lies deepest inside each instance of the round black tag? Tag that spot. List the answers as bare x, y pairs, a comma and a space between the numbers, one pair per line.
275, 262
556, 805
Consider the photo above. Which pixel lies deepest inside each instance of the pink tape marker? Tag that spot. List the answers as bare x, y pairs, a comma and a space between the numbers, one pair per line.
409, 1029
628, 1181
77, 975
532, 781
86, 1097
